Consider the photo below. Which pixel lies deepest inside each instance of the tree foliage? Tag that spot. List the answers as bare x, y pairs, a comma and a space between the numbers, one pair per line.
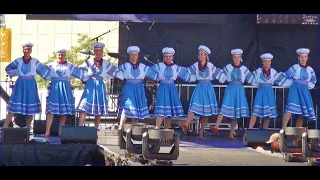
73, 56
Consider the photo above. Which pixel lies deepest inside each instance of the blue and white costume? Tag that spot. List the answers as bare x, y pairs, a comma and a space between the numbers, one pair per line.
133, 102
235, 104
264, 103
94, 98
60, 100
203, 101
168, 103
299, 99
25, 98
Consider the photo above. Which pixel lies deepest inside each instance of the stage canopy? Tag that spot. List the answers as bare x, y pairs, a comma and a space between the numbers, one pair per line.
305, 19
147, 18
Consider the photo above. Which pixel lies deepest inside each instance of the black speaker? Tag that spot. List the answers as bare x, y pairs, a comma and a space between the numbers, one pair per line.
79, 134
39, 126
15, 135
256, 137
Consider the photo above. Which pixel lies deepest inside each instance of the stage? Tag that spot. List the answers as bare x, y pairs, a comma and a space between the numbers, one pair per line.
213, 151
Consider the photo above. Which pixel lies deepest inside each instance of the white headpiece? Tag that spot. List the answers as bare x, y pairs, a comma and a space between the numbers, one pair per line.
133, 49
98, 45
303, 51
61, 50
205, 49
27, 44
266, 56
168, 50
236, 52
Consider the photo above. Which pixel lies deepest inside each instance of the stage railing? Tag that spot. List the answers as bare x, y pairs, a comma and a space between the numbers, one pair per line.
281, 93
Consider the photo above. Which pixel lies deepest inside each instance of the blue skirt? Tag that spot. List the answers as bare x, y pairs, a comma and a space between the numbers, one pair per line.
94, 98
234, 104
168, 103
25, 98
203, 101
265, 103
60, 100
300, 101
133, 100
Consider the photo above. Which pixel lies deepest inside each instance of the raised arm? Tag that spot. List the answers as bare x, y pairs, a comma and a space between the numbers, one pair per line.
78, 72
249, 76
119, 73
11, 68
192, 69
111, 70
43, 70
290, 72
218, 74
313, 80
184, 74
152, 72
282, 80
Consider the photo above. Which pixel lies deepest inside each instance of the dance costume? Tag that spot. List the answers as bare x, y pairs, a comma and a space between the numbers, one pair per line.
234, 104
133, 102
299, 99
168, 103
203, 101
60, 100
94, 98
25, 98
265, 103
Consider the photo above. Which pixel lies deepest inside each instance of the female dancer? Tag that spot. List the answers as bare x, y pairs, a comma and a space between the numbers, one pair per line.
25, 98
203, 101
60, 100
299, 99
133, 102
234, 104
264, 103
94, 98
168, 104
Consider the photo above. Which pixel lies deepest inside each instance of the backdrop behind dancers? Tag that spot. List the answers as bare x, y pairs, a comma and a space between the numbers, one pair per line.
94, 98
25, 98
60, 100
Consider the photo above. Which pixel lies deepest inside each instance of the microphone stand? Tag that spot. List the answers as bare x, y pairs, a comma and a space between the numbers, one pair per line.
97, 38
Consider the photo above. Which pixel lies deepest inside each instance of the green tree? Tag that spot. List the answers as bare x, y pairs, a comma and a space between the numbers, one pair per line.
73, 56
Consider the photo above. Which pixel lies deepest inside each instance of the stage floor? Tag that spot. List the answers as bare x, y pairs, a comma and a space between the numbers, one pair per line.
213, 151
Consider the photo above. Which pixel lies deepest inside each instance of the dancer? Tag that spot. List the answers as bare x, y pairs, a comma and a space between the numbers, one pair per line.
94, 98
234, 104
25, 98
265, 103
299, 100
168, 104
133, 102
60, 100
203, 101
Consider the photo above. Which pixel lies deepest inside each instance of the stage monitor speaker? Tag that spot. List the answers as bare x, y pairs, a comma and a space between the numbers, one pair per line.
79, 134
15, 135
257, 137
39, 126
